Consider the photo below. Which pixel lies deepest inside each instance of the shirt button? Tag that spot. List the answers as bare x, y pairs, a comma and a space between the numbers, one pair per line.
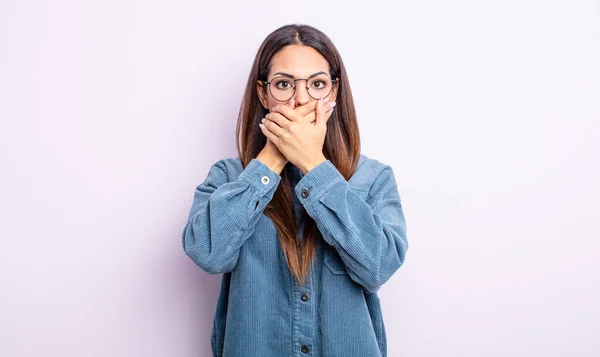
304, 349
304, 297
265, 180
304, 193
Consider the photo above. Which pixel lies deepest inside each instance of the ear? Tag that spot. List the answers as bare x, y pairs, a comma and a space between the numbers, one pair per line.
262, 93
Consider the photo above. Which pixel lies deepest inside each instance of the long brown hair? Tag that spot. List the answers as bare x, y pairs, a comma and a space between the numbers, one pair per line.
341, 146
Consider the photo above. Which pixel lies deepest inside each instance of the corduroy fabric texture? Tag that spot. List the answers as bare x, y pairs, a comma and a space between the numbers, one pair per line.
261, 311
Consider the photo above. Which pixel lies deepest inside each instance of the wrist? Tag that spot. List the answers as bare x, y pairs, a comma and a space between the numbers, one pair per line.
274, 162
305, 168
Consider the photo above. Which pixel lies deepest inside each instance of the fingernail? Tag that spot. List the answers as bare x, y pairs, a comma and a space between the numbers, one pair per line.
262, 120
332, 104
325, 100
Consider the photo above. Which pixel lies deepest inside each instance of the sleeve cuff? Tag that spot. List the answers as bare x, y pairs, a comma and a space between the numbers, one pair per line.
318, 181
260, 176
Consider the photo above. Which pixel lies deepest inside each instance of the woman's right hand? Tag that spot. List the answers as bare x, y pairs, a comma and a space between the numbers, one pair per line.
270, 154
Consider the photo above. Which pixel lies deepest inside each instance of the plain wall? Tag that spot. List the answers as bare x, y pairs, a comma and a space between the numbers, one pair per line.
113, 111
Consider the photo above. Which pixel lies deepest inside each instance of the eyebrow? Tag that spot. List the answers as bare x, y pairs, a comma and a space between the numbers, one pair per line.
291, 76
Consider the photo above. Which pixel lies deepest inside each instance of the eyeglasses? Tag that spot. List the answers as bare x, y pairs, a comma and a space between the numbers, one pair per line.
283, 88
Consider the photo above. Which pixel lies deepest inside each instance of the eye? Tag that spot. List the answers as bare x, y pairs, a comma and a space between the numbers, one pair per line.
319, 84
283, 84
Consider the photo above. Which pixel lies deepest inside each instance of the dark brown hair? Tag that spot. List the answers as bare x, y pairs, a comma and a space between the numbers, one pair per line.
341, 146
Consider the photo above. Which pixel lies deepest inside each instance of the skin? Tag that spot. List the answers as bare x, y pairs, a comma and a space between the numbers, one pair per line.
295, 130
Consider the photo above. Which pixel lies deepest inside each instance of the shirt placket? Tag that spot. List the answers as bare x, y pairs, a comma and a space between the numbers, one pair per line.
303, 320
303, 328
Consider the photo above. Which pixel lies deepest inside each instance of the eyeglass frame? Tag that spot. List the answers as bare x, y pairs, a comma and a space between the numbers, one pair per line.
333, 81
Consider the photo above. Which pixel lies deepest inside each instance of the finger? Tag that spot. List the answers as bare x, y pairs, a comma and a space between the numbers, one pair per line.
310, 117
320, 111
273, 127
328, 116
306, 108
279, 120
272, 137
291, 103
287, 112
329, 112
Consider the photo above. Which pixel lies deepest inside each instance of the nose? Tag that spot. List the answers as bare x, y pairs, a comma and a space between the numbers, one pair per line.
301, 96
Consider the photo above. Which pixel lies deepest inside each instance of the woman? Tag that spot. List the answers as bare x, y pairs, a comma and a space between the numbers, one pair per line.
304, 228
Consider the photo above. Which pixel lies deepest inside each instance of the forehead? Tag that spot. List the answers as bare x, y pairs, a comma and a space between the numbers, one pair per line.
300, 61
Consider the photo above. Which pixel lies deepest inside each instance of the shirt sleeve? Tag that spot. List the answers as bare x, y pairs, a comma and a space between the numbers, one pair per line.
369, 235
223, 214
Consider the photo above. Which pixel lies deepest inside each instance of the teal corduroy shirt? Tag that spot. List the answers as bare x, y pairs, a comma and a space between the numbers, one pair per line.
261, 311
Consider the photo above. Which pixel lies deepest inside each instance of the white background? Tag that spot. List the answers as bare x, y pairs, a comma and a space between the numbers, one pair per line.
113, 111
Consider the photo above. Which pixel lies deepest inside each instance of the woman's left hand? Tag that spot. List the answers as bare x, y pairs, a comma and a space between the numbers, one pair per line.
300, 141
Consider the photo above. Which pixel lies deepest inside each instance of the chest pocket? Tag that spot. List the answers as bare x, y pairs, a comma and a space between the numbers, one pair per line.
334, 262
